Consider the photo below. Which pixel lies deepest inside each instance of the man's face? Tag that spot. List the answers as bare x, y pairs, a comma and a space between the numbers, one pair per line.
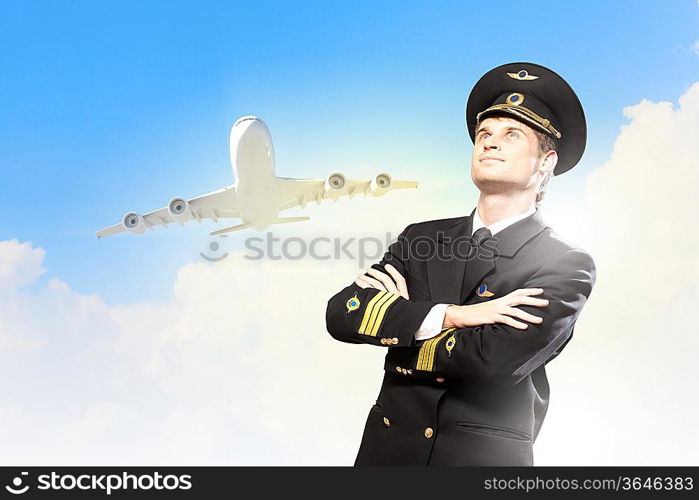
505, 157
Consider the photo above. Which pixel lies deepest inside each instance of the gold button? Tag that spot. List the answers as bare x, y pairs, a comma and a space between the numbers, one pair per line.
429, 432
394, 341
440, 379
386, 422
410, 372
383, 341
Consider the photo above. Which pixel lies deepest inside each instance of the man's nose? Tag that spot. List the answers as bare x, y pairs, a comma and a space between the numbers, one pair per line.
490, 143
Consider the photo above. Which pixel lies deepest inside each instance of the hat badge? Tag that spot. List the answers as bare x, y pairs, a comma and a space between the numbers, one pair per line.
515, 99
522, 74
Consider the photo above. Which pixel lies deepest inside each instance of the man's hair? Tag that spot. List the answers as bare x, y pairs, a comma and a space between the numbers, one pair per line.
546, 143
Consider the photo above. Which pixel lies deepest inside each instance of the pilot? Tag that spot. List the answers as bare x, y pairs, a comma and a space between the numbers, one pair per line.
472, 308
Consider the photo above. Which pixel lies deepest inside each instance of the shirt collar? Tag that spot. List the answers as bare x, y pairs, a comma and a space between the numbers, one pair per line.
498, 226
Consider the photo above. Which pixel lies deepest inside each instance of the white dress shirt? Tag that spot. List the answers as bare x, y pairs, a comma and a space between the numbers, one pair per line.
432, 324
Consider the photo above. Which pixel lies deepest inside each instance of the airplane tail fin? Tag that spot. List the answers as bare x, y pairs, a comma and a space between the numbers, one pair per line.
238, 227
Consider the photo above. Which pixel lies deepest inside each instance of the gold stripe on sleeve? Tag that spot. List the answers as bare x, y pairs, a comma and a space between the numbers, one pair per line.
425, 360
374, 329
375, 312
369, 309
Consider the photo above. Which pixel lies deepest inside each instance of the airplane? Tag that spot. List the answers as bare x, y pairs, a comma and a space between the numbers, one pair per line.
258, 195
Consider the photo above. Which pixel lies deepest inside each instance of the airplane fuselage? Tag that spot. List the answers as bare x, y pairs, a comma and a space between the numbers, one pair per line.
252, 159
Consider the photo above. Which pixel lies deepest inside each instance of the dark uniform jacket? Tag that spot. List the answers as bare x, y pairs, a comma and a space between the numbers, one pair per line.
469, 396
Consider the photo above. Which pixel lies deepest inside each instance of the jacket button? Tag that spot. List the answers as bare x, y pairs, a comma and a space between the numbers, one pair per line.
394, 340
399, 369
440, 379
386, 422
429, 432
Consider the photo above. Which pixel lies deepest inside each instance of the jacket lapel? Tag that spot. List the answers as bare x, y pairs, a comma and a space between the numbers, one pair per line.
507, 242
445, 271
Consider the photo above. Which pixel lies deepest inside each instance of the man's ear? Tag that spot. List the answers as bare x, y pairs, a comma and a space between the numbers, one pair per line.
549, 162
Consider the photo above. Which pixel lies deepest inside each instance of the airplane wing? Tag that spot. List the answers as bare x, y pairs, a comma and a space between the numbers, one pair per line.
298, 192
220, 204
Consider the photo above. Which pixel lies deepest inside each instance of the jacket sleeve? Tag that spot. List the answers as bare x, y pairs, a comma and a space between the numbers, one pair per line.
367, 315
504, 354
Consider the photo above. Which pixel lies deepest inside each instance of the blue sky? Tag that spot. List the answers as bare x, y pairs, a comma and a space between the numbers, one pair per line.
115, 106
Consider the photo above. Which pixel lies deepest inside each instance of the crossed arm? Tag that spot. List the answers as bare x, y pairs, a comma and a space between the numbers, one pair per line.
483, 341
501, 310
375, 315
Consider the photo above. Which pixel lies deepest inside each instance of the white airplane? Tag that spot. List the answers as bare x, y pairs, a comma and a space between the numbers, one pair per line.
258, 195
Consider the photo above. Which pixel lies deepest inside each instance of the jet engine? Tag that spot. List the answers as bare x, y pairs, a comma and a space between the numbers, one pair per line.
334, 185
380, 184
179, 210
134, 223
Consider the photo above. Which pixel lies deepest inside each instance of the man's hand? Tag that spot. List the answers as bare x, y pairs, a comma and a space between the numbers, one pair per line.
500, 310
384, 282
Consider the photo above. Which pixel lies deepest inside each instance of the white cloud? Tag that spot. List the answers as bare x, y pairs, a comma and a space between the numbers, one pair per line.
238, 369
624, 391
20, 264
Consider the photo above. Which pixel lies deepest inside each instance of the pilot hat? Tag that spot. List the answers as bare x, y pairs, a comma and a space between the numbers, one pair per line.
536, 96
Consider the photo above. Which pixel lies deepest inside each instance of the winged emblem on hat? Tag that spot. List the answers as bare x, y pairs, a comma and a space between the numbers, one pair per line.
522, 74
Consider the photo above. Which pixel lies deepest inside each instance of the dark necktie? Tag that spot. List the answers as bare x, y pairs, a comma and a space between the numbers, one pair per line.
473, 263
480, 236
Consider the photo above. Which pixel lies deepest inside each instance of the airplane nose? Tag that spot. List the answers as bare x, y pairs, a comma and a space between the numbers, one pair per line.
250, 132
249, 123
246, 119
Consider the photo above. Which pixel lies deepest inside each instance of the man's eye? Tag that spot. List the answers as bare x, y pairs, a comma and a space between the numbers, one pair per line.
512, 135
484, 135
